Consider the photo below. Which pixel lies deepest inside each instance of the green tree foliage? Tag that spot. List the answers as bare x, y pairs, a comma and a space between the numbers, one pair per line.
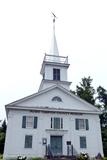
2, 136
85, 90
2, 139
103, 119
4, 126
104, 139
102, 97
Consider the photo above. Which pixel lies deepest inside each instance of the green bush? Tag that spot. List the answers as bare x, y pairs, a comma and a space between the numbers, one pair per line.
105, 158
83, 156
1, 157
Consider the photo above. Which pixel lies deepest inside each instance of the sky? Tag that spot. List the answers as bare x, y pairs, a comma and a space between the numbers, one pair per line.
26, 33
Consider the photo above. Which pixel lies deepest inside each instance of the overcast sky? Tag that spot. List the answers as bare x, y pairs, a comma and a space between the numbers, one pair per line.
25, 35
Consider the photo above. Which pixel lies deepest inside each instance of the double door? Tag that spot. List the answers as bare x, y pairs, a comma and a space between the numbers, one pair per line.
56, 145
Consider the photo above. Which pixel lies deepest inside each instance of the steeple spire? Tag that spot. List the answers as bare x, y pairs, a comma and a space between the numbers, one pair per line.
54, 47
54, 67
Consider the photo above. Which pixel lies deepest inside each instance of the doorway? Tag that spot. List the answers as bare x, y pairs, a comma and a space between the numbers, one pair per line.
56, 145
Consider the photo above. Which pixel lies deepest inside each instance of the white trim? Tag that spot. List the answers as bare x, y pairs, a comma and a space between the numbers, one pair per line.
48, 109
52, 64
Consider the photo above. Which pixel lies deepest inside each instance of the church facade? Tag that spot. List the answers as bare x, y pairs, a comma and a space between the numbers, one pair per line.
52, 119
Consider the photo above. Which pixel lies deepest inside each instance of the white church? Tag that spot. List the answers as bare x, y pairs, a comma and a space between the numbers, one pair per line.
53, 120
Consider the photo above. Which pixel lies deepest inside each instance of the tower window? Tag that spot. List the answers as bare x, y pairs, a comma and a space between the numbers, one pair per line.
56, 74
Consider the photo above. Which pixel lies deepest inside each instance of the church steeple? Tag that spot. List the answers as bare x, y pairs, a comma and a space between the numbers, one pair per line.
54, 47
54, 67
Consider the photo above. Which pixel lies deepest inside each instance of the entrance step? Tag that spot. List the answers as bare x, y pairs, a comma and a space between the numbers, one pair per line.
64, 157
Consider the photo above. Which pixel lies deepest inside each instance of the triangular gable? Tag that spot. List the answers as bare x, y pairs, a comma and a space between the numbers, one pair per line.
44, 99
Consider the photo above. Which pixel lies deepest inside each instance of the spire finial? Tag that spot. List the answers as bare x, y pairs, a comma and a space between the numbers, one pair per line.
54, 17
54, 48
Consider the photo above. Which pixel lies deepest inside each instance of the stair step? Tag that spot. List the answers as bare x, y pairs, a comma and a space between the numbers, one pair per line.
62, 158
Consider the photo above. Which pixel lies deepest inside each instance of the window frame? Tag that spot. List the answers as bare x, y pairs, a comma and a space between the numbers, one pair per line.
56, 74
81, 124
56, 99
29, 122
55, 121
28, 145
83, 144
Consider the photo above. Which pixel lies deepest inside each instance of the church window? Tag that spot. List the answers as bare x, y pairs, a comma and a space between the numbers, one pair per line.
83, 142
29, 122
81, 124
56, 74
28, 141
56, 123
57, 99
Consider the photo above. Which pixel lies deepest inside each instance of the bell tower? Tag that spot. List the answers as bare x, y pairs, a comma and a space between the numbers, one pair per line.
54, 67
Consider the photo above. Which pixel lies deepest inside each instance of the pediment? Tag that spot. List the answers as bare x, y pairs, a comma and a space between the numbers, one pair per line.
45, 97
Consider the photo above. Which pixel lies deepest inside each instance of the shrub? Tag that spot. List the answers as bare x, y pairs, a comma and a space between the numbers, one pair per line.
105, 158
1, 156
83, 156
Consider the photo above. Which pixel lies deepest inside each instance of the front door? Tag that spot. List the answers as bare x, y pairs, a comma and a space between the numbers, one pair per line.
56, 145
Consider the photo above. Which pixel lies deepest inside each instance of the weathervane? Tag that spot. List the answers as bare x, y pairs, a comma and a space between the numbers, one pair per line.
54, 17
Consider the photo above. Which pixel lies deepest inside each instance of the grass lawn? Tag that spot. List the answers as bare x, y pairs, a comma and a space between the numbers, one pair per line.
1, 157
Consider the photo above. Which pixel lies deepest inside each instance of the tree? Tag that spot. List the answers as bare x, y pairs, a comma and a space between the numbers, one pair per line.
104, 139
102, 97
2, 136
4, 126
2, 140
85, 90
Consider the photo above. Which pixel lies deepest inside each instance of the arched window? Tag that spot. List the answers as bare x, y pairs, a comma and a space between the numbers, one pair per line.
57, 99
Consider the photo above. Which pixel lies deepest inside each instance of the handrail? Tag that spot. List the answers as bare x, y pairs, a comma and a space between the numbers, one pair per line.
55, 58
49, 151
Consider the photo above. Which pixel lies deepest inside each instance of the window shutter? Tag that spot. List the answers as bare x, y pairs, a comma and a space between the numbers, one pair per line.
51, 122
35, 122
77, 124
61, 122
87, 124
24, 122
